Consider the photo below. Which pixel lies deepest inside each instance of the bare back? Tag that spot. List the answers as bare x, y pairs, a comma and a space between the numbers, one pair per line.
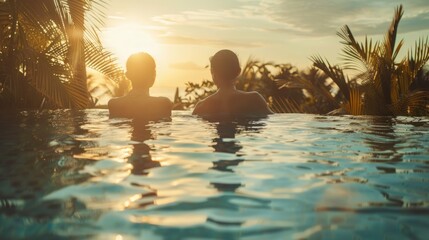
237, 103
146, 107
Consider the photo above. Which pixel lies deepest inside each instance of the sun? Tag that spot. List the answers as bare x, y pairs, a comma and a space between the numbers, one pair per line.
126, 39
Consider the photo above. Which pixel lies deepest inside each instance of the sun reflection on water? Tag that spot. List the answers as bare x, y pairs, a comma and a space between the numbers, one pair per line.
284, 177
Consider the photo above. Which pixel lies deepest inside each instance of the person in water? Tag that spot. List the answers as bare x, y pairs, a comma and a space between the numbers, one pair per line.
141, 71
228, 101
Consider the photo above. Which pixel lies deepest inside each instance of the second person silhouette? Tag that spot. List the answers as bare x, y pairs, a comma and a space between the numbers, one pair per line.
228, 101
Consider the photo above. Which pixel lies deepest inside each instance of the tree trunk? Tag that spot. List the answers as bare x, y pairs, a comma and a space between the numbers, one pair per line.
77, 54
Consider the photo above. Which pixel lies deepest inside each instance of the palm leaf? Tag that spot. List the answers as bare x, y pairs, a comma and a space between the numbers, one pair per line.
418, 103
412, 103
284, 105
38, 34
102, 60
293, 83
356, 104
48, 77
5, 16
357, 56
390, 38
335, 73
418, 57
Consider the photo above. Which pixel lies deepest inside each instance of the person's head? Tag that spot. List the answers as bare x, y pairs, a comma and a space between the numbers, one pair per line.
141, 70
224, 67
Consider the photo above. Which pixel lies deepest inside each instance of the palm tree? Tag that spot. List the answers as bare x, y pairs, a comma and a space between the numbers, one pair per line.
45, 48
261, 77
383, 85
320, 96
77, 51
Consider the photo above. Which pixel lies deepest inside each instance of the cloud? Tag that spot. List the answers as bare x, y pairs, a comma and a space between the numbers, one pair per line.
186, 66
201, 18
307, 18
171, 39
417, 23
192, 17
321, 18
170, 19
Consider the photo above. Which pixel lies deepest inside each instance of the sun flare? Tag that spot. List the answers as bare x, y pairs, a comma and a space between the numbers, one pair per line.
126, 39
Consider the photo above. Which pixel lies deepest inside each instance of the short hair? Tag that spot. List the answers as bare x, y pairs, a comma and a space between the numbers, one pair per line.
141, 61
225, 64
144, 66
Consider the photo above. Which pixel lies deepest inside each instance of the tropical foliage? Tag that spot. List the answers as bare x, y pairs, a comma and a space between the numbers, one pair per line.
285, 88
383, 85
46, 47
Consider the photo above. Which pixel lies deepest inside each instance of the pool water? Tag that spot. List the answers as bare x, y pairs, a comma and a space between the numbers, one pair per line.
81, 175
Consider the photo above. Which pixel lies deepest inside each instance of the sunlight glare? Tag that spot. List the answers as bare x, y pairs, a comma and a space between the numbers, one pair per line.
126, 39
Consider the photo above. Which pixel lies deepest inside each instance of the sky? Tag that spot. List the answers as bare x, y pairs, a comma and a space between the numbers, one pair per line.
182, 35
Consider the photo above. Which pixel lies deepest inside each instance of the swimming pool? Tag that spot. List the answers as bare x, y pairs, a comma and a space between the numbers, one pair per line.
68, 174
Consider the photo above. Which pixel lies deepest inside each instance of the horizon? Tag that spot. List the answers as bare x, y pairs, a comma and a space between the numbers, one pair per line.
182, 36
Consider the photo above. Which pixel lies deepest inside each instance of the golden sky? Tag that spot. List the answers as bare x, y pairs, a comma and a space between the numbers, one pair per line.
182, 35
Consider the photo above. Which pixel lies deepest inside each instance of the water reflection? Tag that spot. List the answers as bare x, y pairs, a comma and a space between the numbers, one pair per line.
298, 177
38, 150
381, 137
141, 161
226, 142
141, 158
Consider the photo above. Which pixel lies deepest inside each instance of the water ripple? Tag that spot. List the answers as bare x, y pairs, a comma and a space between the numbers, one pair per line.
289, 176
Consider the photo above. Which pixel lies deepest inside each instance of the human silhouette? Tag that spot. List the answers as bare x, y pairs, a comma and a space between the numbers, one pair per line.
141, 70
228, 101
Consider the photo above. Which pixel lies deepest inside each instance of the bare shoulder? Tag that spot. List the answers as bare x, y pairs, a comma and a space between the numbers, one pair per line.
114, 102
202, 105
115, 106
256, 96
199, 107
164, 106
252, 96
164, 101
259, 102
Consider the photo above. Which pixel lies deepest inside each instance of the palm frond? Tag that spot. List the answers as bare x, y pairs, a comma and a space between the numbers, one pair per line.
293, 83
102, 60
105, 63
418, 103
414, 103
46, 51
48, 79
100, 87
356, 104
335, 73
390, 38
357, 56
5, 16
397, 50
321, 86
419, 56
284, 105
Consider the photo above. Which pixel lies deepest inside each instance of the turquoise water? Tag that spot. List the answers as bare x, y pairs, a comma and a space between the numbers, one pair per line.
81, 175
